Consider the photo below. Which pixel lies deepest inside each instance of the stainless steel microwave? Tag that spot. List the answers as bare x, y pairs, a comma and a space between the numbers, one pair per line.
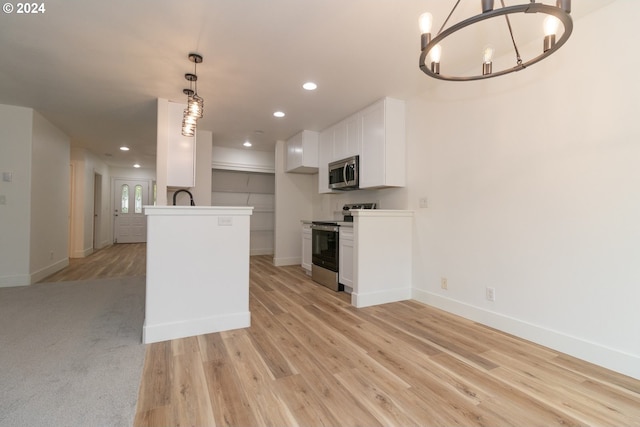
343, 174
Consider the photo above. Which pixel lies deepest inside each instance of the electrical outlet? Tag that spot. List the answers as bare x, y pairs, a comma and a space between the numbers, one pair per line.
491, 294
443, 283
51, 255
422, 201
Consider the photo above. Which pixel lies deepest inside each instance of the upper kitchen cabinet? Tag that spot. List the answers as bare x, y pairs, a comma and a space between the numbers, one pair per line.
325, 156
377, 135
382, 153
176, 164
302, 152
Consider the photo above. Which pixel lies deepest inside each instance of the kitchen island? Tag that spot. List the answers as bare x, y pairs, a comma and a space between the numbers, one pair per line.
197, 271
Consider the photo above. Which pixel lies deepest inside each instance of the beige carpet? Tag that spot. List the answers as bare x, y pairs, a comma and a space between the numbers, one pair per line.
71, 352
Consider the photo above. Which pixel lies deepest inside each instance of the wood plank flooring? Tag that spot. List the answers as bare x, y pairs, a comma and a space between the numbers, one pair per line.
119, 260
311, 359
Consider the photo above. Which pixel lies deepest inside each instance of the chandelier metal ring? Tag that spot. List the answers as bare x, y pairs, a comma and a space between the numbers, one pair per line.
559, 13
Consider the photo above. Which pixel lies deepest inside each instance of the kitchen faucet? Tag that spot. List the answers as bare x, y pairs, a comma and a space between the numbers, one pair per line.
180, 191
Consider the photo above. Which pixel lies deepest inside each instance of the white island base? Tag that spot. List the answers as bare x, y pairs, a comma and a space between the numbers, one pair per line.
197, 271
382, 270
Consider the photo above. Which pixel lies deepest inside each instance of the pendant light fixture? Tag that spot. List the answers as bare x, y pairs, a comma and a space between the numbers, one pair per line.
195, 103
431, 47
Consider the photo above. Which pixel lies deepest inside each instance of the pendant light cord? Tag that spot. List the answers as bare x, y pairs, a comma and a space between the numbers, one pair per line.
450, 13
515, 46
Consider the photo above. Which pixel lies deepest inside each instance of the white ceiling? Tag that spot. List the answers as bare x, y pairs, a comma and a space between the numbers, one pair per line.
95, 68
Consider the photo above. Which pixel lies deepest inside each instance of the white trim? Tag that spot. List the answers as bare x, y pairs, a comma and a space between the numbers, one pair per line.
280, 262
49, 270
82, 253
625, 363
216, 164
11, 281
263, 251
368, 299
193, 327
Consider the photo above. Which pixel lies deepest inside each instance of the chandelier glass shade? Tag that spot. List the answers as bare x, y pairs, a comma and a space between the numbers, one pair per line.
195, 103
494, 30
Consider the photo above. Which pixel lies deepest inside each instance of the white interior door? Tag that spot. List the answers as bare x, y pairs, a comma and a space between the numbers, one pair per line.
130, 222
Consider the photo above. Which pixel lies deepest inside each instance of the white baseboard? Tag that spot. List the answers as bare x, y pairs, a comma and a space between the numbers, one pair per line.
266, 251
279, 262
625, 363
49, 270
193, 327
17, 280
360, 300
82, 253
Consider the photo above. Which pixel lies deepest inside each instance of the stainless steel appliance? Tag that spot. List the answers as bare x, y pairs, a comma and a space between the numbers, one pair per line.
343, 174
324, 253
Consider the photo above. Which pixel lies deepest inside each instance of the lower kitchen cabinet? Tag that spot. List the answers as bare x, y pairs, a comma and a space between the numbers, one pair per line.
345, 266
306, 247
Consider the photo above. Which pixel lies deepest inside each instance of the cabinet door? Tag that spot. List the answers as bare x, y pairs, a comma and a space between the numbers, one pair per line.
294, 152
345, 268
306, 247
325, 151
372, 155
353, 128
339, 141
181, 151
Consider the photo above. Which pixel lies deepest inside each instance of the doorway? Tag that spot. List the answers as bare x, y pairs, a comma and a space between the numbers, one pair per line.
97, 210
129, 221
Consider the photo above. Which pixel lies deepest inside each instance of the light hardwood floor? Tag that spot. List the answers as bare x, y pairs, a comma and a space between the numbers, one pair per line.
120, 260
311, 359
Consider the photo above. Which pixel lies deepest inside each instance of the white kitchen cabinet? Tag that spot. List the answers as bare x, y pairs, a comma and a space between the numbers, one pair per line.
345, 255
382, 256
302, 152
325, 153
181, 150
382, 154
353, 139
306, 247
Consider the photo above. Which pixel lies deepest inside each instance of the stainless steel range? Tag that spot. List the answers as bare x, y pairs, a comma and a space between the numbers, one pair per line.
325, 252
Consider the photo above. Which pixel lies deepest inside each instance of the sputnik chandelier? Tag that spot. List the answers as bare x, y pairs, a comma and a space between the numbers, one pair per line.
195, 104
431, 47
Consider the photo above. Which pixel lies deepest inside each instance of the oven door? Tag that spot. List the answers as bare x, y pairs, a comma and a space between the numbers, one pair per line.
324, 240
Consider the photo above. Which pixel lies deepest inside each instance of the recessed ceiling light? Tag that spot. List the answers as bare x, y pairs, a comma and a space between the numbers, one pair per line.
247, 144
124, 148
310, 86
136, 165
278, 114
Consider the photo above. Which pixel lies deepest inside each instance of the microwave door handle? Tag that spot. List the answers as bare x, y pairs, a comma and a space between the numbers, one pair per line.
344, 174
355, 174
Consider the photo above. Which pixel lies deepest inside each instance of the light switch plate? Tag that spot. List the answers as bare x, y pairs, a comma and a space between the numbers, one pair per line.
3, 199
7, 176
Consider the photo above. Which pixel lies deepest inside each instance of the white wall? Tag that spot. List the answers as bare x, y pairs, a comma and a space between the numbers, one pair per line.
85, 164
15, 157
34, 220
49, 240
533, 181
294, 203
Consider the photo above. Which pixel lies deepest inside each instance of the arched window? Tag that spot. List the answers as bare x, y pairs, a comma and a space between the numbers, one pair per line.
124, 199
138, 199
